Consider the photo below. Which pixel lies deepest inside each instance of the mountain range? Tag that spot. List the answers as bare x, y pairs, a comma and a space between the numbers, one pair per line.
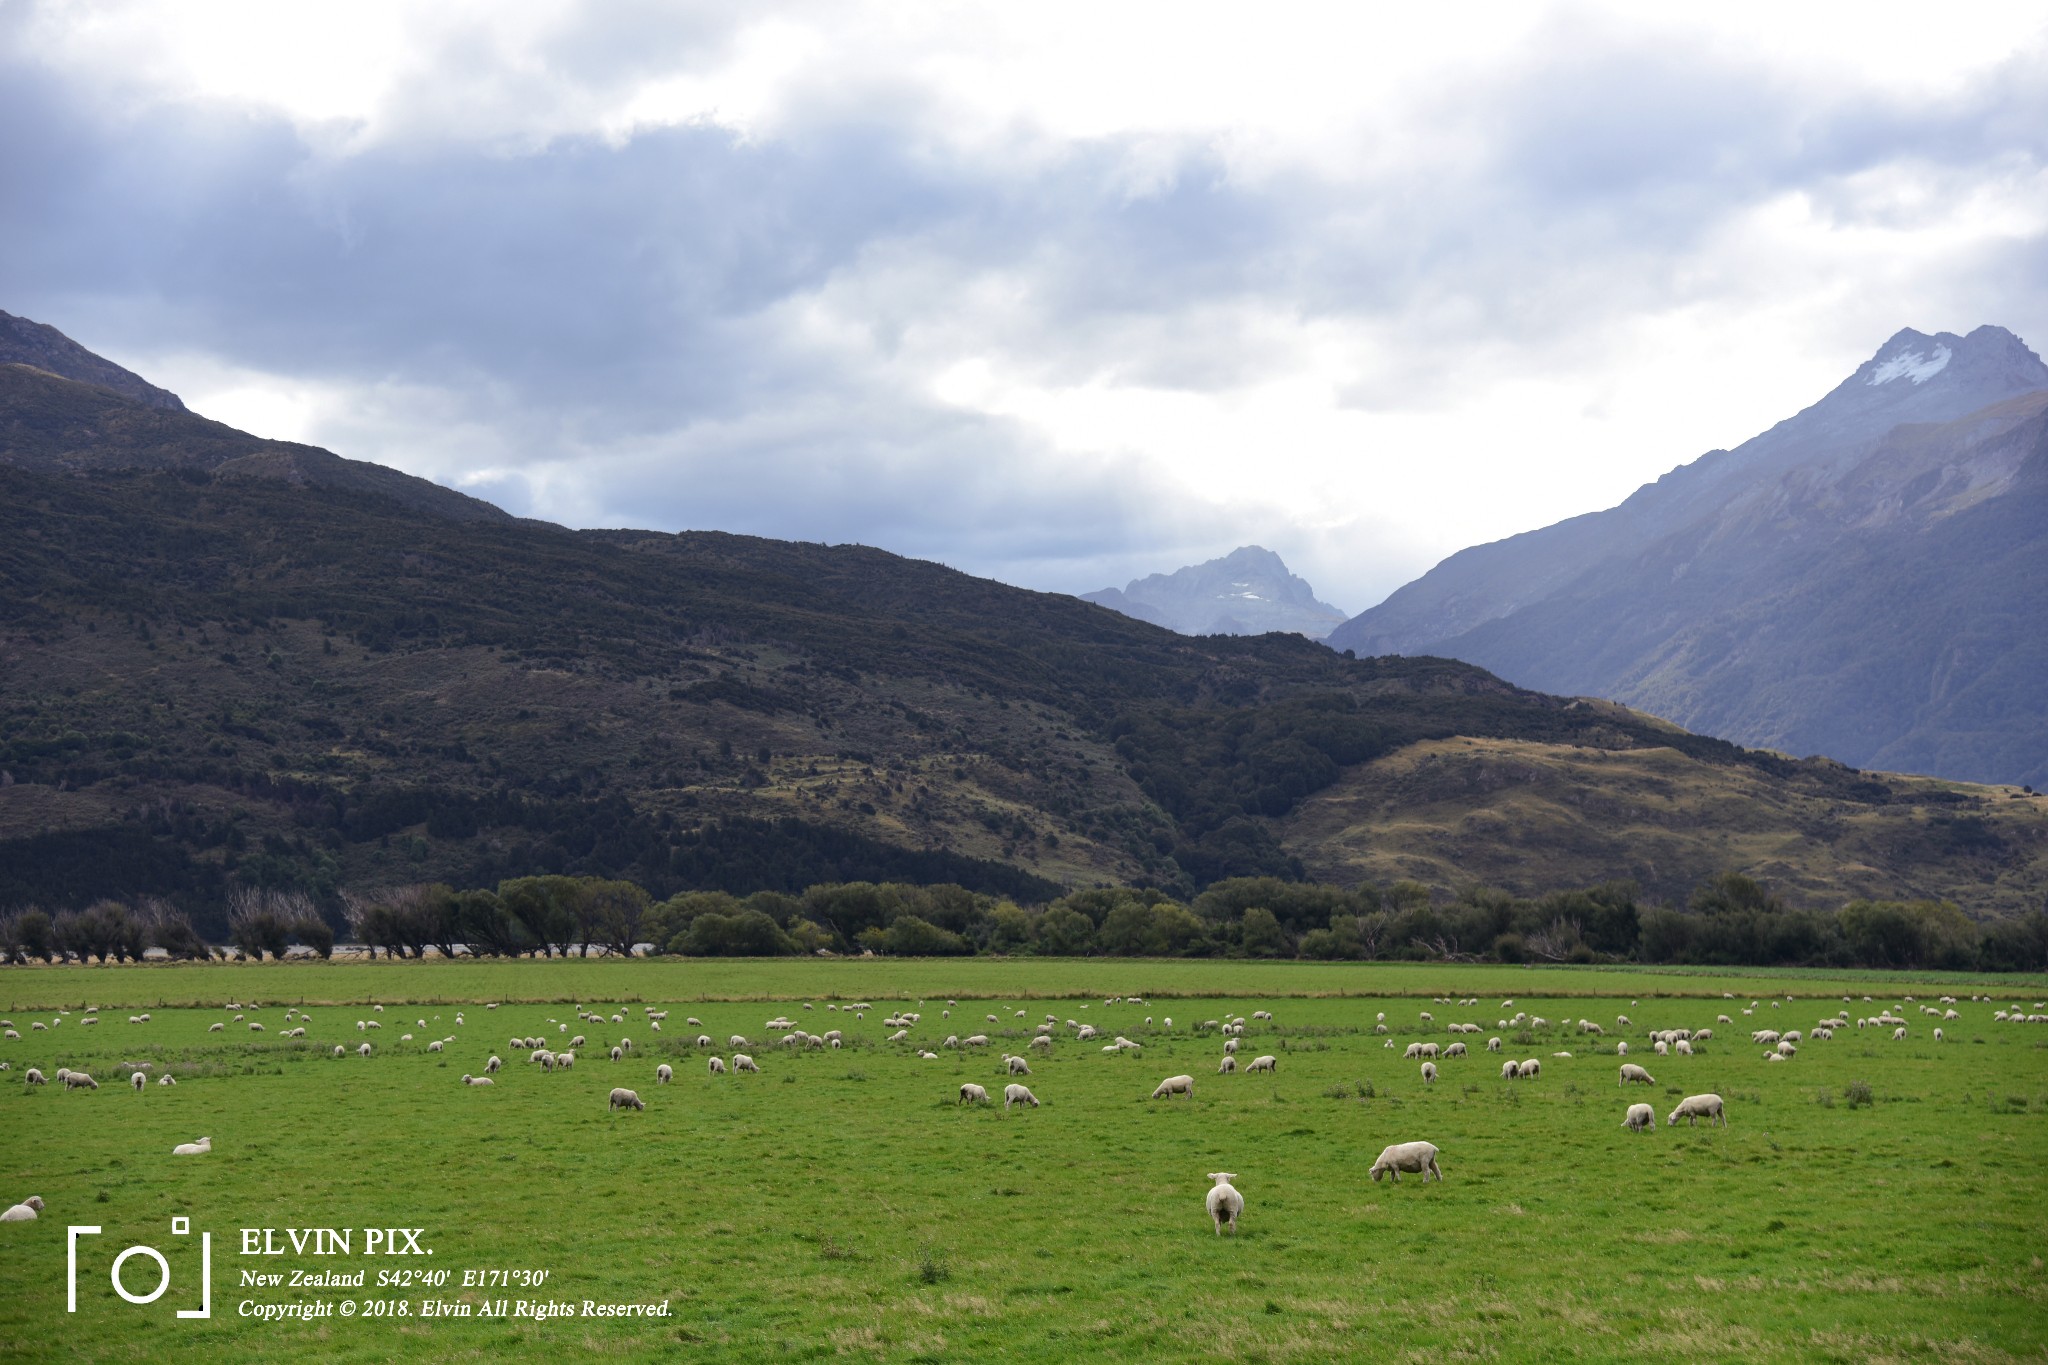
1247, 592
225, 660
1864, 580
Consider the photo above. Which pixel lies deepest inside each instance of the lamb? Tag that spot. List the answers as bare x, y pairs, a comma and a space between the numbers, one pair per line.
623, 1098
1018, 1094
970, 1093
717, 1065
1695, 1107
199, 1148
1229, 1065
1224, 1202
1429, 1073
1175, 1085
477, 1080
25, 1211
1412, 1157
1267, 1063
1641, 1119
663, 1074
1631, 1072
742, 1062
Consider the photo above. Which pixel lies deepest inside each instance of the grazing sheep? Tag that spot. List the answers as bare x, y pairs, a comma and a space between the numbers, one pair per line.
1017, 1066
1018, 1094
1682, 1048
1416, 1158
1229, 1065
742, 1062
199, 1148
493, 1064
1493, 1044
717, 1066
78, 1080
1041, 1044
735, 1041
1224, 1202
138, 1080
1621, 1049
25, 1211
617, 1053
340, 1051
1641, 1119
1175, 1085
970, 1093
215, 1027
167, 1079
975, 1040
478, 1080
1429, 1073
1454, 1050
623, 1098
663, 1074
1509, 1070
1937, 1035
434, 1046
1531, 1067
1898, 1034
363, 1051
1694, 1107
1230, 1045
1631, 1072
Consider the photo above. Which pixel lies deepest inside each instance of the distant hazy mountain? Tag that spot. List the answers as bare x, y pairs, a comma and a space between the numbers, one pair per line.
1863, 580
1247, 592
23, 342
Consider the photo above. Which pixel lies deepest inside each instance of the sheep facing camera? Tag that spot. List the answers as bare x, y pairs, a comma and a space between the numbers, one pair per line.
180, 1227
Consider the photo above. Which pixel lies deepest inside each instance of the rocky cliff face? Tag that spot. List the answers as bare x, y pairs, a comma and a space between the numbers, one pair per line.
1854, 581
1247, 592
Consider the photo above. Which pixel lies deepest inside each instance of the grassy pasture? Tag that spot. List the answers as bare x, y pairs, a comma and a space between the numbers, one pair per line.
841, 1206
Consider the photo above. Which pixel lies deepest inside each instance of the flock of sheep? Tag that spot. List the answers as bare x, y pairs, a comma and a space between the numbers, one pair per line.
1223, 1202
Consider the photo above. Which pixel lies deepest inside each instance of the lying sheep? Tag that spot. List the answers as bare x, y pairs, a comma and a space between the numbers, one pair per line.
1175, 1085
1224, 1202
1641, 1119
1631, 1072
623, 1098
663, 1074
199, 1148
478, 1080
971, 1093
1266, 1063
1018, 1094
1429, 1073
1695, 1107
167, 1079
25, 1211
1416, 1158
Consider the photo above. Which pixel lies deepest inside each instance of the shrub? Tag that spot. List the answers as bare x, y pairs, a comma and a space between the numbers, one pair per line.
1857, 1094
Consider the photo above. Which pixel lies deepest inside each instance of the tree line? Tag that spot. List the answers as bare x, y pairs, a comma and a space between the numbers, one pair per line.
1731, 921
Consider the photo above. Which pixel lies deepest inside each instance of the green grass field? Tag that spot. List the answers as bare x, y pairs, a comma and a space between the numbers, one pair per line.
840, 1205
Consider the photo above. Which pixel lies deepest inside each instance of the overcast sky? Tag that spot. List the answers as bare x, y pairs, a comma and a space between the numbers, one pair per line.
1057, 293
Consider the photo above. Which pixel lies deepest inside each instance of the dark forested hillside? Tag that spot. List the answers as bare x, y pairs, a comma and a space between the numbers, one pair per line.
213, 675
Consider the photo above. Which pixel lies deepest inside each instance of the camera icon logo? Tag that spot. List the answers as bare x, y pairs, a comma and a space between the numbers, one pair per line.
181, 1226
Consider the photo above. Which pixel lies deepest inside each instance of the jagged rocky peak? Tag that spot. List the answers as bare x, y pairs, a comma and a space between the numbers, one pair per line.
1246, 592
24, 341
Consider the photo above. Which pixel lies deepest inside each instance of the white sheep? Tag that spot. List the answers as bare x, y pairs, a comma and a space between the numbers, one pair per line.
1509, 1070
1017, 1066
1454, 1050
617, 1053
1529, 1068
1175, 1085
363, 1051
199, 1148
1229, 1065
1631, 1072
78, 1080
742, 1062
1682, 1048
1641, 1119
215, 1027
717, 1065
623, 1098
1416, 1158
167, 1079
1041, 1044
1266, 1063
340, 1051
1695, 1107
1018, 1094
1224, 1202
663, 1074
1429, 1073
1230, 1045
477, 1080
970, 1093
25, 1211
138, 1081
493, 1064
1493, 1044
